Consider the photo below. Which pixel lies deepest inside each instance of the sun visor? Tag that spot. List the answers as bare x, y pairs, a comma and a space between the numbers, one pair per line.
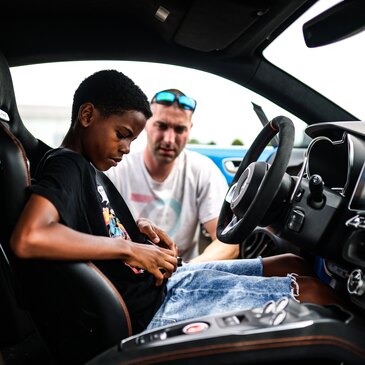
202, 26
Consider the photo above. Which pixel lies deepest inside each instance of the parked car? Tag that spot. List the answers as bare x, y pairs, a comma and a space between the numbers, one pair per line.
227, 158
304, 196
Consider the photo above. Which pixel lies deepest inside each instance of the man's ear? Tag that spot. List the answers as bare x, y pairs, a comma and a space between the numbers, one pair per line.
86, 113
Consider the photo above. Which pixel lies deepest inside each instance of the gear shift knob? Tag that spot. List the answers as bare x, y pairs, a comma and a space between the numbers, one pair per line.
316, 191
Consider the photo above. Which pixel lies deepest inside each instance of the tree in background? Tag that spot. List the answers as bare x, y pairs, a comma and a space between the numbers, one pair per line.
196, 141
237, 142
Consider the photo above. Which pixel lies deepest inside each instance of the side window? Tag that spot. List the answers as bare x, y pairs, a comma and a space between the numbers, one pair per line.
224, 113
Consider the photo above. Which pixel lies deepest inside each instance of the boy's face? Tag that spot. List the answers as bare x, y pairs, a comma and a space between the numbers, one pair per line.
104, 141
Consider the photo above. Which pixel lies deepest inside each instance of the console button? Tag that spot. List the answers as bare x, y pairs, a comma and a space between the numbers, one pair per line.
269, 307
141, 340
296, 220
231, 321
281, 304
195, 327
158, 336
356, 283
278, 318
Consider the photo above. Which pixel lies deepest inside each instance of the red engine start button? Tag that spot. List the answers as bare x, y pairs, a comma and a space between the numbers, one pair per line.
195, 327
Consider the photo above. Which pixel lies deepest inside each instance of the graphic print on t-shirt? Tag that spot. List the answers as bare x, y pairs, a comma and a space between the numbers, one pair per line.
165, 211
113, 224
115, 227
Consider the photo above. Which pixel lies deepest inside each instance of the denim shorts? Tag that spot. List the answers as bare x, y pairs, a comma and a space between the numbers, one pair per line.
201, 289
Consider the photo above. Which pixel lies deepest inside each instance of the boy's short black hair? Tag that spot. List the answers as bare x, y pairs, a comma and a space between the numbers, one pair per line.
111, 92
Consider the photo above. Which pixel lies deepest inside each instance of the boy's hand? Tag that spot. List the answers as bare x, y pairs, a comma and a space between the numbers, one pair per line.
158, 261
156, 235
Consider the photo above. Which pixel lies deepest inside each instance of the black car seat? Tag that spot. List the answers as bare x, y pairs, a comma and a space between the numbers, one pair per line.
19, 339
77, 310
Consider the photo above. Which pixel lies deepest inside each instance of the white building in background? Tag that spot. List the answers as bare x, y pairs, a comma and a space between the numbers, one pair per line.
58, 120
47, 123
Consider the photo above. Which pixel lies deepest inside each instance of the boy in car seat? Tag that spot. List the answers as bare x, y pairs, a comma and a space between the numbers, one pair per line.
70, 217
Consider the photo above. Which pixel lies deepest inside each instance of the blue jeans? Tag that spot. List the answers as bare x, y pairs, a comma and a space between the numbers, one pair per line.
201, 289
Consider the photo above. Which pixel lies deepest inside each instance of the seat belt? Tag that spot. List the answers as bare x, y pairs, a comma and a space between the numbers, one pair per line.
123, 212
263, 119
120, 207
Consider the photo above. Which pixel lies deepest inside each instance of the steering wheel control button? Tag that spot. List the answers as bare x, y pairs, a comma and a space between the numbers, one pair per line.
296, 220
355, 283
195, 327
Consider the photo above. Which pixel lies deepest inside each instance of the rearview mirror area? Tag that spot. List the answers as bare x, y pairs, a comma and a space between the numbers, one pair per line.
332, 25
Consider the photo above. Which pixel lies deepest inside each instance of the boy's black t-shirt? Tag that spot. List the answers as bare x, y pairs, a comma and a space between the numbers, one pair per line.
68, 180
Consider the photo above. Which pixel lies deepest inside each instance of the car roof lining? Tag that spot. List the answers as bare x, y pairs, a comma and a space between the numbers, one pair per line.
192, 25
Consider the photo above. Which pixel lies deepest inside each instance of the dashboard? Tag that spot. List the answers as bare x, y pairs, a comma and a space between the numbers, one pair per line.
322, 212
326, 211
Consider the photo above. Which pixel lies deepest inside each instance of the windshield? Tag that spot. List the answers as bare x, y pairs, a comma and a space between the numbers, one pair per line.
335, 70
218, 100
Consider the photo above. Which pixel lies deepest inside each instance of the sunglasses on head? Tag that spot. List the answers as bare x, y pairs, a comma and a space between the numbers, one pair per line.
168, 98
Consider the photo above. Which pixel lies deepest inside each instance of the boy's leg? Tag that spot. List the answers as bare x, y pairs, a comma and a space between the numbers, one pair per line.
281, 265
313, 290
249, 267
308, 288
207, 291
204, 292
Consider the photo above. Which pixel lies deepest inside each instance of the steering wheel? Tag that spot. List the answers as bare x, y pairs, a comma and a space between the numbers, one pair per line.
255, 184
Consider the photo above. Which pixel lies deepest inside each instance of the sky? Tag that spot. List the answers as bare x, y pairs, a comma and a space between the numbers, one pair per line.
224, 110
336, 70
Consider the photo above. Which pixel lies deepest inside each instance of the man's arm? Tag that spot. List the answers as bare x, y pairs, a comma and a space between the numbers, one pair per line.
216, 250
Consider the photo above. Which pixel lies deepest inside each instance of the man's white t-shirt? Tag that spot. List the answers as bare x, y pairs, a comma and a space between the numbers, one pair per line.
193, 193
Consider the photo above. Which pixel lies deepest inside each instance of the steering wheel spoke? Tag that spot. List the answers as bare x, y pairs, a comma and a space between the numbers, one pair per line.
234, 221
229, 196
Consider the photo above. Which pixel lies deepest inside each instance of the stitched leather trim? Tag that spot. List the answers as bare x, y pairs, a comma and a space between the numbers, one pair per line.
241, 346
117, 294
21, 149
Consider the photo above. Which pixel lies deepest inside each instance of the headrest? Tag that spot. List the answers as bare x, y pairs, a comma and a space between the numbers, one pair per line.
9, 114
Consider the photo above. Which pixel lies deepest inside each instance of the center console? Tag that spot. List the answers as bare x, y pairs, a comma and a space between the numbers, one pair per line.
281, 332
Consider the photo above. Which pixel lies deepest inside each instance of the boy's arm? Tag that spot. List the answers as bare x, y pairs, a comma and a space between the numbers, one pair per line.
39, 234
